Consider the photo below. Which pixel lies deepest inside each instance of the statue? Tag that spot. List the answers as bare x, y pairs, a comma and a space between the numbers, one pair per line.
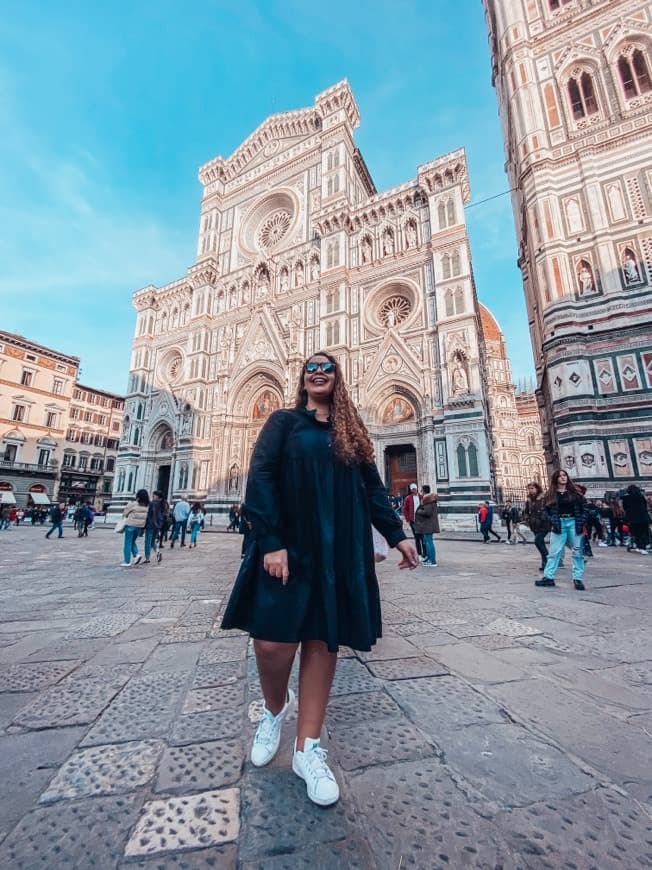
630, 268
285, 281
262, 287
411, 235
234, 478
388, 243
298, 275
460, 380
586, 280
314, 271
186, 421
245, 293
366, 250
390, 317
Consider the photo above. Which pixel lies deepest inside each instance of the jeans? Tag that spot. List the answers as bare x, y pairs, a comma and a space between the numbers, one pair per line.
557, 544
179, 527
194, 531
150, 541
431, 553
130, 549
516, 531
540, 544
59, 526
418, 541
486, 530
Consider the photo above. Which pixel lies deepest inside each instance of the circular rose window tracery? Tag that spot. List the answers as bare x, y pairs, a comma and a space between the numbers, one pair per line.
274, 228
394, 310
170, 369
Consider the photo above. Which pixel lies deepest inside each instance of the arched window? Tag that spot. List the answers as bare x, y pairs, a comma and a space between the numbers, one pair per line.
459, 300
130, 482
461, 461
634, 74
336, 332
446, 266
441, 215
581, 92
450, 303
456, 263
531, 441
121, 480
473, 460
450, 212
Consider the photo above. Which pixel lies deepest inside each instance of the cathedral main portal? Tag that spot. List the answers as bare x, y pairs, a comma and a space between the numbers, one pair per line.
400, 468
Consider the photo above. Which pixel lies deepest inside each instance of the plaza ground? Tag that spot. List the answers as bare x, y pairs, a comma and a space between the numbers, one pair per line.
495, 725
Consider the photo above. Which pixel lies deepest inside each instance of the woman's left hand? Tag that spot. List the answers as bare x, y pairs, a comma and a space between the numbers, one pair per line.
410, 556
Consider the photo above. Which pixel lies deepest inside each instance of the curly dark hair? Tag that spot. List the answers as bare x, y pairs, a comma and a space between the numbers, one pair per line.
351, 441
571, 488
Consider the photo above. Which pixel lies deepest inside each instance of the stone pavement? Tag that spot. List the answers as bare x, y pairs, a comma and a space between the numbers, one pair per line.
496, 725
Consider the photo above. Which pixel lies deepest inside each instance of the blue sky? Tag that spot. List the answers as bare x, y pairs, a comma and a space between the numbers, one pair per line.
108, 110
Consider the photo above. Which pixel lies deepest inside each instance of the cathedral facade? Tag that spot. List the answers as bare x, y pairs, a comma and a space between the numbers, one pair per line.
297, 252
574, 85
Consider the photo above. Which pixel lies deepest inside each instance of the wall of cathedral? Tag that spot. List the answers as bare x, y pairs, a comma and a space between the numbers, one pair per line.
574, 86
297, 251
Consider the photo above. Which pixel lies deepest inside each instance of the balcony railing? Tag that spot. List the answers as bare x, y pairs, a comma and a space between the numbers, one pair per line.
50, 468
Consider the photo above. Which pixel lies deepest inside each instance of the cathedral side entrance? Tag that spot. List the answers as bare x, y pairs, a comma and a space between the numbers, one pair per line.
400, 468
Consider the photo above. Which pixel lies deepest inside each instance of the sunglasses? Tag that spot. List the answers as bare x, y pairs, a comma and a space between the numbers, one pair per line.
326, 367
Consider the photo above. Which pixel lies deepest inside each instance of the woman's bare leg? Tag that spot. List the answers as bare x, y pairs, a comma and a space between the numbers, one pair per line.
274, 665
316, 672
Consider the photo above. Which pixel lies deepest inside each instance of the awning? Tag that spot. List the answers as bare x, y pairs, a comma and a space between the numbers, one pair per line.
40, 497
7, 497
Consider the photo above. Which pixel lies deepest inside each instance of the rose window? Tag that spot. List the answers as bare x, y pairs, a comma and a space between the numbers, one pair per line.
274, 228
394, 310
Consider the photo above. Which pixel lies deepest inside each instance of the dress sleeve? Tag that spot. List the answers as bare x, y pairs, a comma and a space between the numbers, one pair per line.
382, 515
263, 505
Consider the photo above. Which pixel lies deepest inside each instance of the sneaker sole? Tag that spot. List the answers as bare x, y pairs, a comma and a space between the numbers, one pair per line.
290, 704
315, 800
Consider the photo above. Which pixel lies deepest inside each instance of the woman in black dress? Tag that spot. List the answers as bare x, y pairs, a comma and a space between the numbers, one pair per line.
308, 575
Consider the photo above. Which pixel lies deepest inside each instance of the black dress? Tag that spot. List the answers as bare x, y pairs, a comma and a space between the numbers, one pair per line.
301, 498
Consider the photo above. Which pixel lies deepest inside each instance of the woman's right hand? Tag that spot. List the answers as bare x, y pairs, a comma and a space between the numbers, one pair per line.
276, 565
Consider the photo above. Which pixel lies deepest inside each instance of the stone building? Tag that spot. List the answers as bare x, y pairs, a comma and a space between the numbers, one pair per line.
36, 385
515, 424
91, 445
298, 251
574, 87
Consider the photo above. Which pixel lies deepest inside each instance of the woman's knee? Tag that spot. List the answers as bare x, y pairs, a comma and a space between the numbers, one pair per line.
271, 649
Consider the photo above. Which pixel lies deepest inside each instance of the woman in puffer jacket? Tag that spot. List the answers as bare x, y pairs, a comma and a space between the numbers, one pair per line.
135, 514
426, 523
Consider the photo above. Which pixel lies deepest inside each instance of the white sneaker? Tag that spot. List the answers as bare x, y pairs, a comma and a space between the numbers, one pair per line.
429, 565
642, 552
310, 765
602, 544
268, 734
125, 564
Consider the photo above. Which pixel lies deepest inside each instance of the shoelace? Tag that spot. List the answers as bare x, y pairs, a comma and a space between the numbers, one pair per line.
265, 729
316, 763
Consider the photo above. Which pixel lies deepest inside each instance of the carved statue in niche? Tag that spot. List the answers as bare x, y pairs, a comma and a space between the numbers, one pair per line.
285, 281
234, 478
246, 296
314, 270
262, 284
265, 404
167, 441
186, 421
366, 250
410, 235
585, 277
298, 275
630, 268
398, 410
459, 380
388, 243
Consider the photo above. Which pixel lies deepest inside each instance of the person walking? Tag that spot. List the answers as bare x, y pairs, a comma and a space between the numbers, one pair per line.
308, 576
180, 513
233, 519
153, 525
57, 516
506, 517
195, 521
486, 519
536, 521
135, 514
426, 523
637, 518
410, 505
565, 508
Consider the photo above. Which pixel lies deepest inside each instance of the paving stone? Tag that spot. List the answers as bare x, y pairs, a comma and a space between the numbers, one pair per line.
512, 628
352, 676
204, 766
200, 727
415, 626
414, 816
434, 637
105, 770
218, 698
344, 709
181, 634
278, 818
217, 858
599, 830
191, 821
134, 651
523, 656
145, 708
88, 833
177, 657
349, 854
224, 674
403, 669
30, 677
494, 642
223, 650
103, 626
437, 704
467, 660
507, 764
79, 650
389, 647
392, 738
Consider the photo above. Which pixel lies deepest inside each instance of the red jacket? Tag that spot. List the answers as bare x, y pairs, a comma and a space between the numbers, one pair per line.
408, 508
483, 513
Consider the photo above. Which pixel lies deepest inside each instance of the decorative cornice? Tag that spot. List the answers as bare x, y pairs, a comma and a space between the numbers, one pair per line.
445, 172
204, 273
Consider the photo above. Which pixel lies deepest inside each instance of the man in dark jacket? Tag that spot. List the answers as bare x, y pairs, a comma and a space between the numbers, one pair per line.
638, 520
153, 525
486, 523
57, 515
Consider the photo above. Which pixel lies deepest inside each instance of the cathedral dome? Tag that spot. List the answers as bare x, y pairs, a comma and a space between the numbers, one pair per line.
490, 328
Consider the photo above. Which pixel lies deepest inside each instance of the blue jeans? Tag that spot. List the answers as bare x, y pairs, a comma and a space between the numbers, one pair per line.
56, 526
557, 544
150, 541
194, 531
431, 553
179, 526
130, 548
